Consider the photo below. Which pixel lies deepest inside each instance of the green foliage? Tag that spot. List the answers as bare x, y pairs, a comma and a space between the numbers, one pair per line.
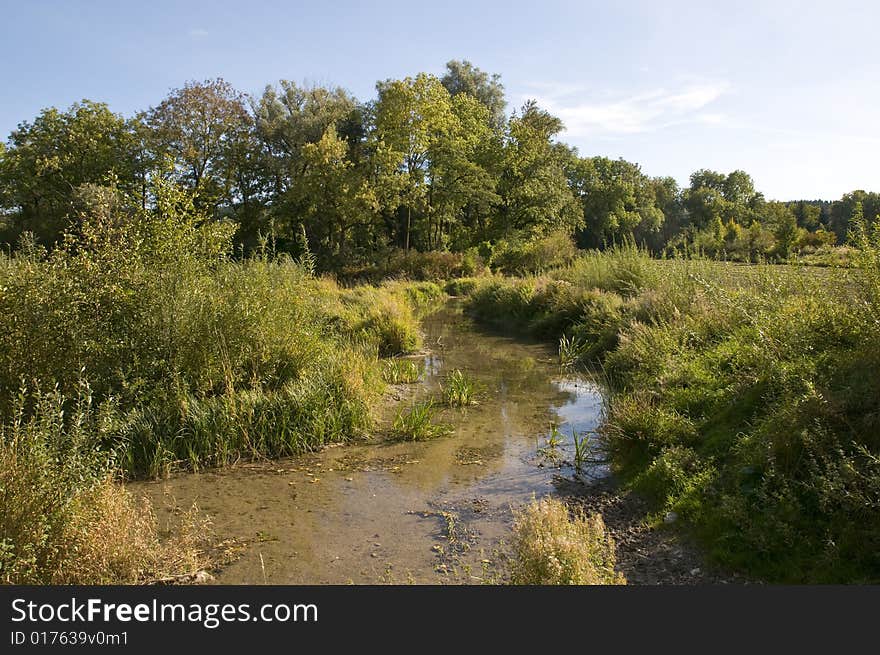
48, 159
402, 371
201, 129
742, 398
536, 196
431, 165
415, 265
462, 286
535, 256
62, 518
464, 77
209, 359
619, 201
460, 389
417, 423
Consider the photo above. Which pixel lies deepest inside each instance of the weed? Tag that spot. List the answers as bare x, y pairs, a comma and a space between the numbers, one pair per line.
460, 389
417, 423
402, 371
582, 449
551, 547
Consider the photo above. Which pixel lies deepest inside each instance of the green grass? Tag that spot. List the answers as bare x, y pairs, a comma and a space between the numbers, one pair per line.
416, 423
460, 389
745, 398
402, 371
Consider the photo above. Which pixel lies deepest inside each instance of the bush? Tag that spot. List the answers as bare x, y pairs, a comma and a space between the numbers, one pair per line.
535, 256
62, 518
208, 359
416, 265
550, 547
462, 286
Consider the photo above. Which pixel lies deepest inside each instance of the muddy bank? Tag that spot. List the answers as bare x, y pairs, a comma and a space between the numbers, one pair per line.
646, 555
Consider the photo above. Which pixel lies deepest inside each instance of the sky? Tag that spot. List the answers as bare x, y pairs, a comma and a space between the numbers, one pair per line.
787, 91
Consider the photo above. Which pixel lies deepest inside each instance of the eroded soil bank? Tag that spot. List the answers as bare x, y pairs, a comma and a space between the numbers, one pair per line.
437, 511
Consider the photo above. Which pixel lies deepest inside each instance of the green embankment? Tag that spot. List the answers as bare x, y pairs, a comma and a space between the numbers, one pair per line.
140, 347
744, 398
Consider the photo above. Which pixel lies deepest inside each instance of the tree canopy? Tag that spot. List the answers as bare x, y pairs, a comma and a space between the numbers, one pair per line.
430, 164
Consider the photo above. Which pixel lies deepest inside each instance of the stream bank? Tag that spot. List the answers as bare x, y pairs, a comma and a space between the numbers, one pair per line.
430, 512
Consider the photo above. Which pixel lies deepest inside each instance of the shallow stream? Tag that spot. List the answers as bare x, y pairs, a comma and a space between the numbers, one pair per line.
426, 512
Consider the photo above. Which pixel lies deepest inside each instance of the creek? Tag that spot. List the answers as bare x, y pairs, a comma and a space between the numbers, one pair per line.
427, 512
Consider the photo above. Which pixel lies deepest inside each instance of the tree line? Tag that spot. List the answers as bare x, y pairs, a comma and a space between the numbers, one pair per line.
429, 164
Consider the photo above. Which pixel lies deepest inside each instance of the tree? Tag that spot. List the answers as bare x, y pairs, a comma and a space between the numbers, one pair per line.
336, 196
843, 211
48, 159
200, 127
289, 117
413, 120
728, 197
464, 77
618, 200
536, 198
464, 177
780, 219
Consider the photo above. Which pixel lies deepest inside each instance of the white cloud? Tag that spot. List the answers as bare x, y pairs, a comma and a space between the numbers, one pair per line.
644, 112
198, 32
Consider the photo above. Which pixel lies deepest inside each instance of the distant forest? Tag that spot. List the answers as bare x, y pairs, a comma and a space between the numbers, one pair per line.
429, 165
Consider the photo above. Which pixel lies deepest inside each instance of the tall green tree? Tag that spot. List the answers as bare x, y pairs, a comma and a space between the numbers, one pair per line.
336, 198
843, 211
618, 200
730, 197
49, 158
536, 198
464, 77
200, 128
414, 119
465, 167
289, 116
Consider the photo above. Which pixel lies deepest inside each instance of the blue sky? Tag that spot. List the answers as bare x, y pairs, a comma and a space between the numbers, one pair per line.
788, 91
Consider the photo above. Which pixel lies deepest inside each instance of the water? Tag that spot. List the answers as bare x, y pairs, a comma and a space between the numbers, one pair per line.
424, 512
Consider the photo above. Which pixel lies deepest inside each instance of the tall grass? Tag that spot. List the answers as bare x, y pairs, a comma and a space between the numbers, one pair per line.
402, 371
63, 519
552, 547
745, 398
417, 423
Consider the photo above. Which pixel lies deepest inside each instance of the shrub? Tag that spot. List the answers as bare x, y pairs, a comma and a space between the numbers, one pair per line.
462, 286
208, 359
416, 265
62, 518
550, 547
535, 256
